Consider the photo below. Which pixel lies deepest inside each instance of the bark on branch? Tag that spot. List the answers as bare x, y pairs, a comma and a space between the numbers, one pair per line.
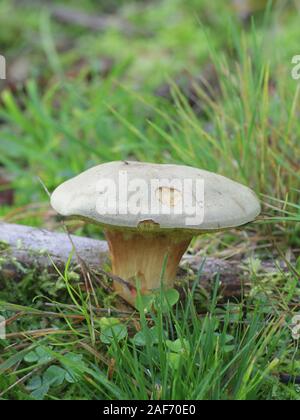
39, 248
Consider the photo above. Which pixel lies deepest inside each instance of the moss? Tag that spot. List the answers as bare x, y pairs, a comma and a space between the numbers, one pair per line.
4, 246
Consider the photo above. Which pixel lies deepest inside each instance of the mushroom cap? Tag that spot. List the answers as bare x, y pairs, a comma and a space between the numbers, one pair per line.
223, 204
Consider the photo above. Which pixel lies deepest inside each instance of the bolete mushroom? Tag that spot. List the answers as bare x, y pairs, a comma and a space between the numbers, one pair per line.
151, 212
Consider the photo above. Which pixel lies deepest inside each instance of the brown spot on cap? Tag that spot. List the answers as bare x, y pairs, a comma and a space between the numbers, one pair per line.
168, 196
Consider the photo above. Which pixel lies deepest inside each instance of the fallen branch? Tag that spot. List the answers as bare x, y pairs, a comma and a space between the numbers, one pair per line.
39, 249
32, 247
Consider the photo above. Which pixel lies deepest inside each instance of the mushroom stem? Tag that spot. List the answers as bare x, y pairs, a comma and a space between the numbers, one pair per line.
140, 257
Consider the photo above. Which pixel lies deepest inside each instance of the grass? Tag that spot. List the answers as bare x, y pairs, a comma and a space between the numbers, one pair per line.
66, 342
171, 352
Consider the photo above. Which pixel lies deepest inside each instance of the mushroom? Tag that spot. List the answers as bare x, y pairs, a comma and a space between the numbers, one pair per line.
150, 213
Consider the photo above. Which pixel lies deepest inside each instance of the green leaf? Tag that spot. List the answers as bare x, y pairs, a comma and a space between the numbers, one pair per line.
140, 338
34, 383
39, 355
172, 296
73, 364
169, 299
74, 358
71, 377
228, 349
54, 376
174, 360
144, 303
31, 357
16, 358
40, 393
178, 346
229, 338
111, 330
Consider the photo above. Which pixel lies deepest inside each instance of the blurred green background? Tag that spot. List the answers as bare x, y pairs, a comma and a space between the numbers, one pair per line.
201, 83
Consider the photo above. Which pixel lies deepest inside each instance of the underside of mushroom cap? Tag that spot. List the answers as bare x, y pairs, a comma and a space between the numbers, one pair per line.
218, 202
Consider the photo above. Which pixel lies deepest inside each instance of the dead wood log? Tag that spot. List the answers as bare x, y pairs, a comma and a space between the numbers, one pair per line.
39, 248
33, 247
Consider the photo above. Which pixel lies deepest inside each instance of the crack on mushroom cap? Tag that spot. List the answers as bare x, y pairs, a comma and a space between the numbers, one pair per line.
148, 225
